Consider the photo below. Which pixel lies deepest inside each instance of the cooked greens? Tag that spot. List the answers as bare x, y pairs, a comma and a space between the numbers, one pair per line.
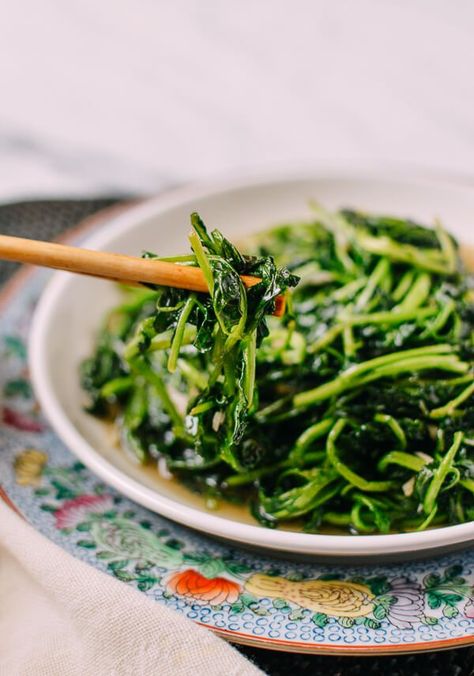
354, 411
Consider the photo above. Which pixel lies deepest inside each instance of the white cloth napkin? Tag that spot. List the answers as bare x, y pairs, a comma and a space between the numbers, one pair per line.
59, 616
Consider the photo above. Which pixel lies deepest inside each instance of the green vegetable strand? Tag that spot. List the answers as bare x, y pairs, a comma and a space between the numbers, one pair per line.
343, 470
441, 473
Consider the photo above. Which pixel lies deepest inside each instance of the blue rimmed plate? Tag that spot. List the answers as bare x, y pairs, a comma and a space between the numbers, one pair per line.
247, 597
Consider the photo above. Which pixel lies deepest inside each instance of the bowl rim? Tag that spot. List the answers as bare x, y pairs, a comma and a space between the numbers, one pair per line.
212, 524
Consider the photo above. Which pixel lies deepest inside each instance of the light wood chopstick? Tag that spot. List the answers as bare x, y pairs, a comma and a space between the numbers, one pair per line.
116, 267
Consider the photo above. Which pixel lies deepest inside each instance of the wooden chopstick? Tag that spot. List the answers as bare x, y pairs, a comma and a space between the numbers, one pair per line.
116, 267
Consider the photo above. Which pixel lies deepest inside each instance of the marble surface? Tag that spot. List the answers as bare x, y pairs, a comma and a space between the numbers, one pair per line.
127, 96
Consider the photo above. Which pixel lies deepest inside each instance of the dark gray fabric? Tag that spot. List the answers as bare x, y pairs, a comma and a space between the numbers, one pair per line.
43, 220
48, 219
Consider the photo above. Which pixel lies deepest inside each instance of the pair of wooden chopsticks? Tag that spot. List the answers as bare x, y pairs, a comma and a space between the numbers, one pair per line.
116, 267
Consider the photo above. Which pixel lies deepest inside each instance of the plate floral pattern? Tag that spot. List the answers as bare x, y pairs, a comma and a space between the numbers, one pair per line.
248, 597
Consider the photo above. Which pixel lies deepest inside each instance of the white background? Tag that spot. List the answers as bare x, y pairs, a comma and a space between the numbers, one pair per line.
133, 95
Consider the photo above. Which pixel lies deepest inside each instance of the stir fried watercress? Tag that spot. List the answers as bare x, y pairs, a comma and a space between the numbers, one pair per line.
353, 411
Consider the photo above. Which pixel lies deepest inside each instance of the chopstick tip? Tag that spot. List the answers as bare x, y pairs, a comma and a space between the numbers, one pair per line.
280, 306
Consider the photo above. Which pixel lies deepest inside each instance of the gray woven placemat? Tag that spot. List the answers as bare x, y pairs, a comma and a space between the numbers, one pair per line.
48, 219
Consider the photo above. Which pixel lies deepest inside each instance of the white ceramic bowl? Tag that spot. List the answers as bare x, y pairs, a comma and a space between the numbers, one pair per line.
71, 309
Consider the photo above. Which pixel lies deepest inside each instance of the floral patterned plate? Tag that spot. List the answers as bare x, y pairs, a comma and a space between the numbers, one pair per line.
246, 597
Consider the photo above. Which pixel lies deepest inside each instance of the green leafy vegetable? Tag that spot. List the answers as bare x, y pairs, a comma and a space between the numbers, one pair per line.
354, 411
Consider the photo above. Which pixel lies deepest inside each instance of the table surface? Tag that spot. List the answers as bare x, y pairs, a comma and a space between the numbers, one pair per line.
48, 219
130, 95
